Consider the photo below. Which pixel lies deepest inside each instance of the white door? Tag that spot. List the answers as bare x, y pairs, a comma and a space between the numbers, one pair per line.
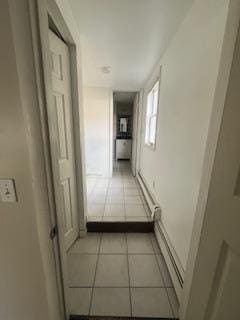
62, 137
215, 292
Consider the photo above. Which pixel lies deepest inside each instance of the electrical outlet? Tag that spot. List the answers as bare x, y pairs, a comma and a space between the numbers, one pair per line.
7, 190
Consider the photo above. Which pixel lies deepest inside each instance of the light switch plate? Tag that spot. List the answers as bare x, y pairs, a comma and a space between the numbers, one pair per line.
7, 190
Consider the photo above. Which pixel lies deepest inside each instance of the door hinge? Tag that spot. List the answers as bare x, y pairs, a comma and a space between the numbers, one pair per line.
53, 232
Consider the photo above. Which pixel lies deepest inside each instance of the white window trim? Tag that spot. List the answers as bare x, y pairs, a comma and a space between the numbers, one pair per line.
147, 120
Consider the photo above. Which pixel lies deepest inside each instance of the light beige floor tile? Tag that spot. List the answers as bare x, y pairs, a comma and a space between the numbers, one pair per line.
129, 184
128, 179
133, 200
156, 247
135, 210
95, 209
112, 271
96, 199
100, 189
150, 302
144, 271
102, 184
113, 243
115, 191
94, 219
137, 219
114, 210
115, 199
88, 244
116, 184
164, 271
114, 219
79, 301
81, 268
111, 302
173, 301
148, 212
132, 192
139, 243
143, 200
97, 193
89, 190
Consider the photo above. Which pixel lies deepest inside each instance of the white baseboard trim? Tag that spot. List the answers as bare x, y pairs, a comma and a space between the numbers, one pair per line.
174, 266
151, 202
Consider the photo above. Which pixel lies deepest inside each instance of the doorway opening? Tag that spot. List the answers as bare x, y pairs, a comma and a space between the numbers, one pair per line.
112, 197
116, 197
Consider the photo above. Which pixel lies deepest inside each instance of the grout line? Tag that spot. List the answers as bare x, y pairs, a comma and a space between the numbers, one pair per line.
95, 274
130, 298
124, 172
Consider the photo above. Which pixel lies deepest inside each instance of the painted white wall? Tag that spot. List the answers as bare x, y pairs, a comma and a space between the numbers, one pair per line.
98, 138
28, 288
189, 70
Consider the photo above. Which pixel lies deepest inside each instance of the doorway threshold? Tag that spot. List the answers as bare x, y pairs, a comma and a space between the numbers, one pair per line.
73, 317
121, 226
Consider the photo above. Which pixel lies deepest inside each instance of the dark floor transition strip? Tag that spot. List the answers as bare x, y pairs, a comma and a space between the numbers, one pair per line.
73, 317
120, 226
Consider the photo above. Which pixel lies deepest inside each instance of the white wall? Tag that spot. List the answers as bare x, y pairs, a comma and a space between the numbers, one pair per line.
98, 136
189, 71
25, 284
28, 288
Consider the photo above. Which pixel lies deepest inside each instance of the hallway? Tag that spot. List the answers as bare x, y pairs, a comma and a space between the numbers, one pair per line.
118, 198
121, 274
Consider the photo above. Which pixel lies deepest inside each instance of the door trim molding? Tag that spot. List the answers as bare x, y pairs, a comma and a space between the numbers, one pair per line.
40, 11
110, 133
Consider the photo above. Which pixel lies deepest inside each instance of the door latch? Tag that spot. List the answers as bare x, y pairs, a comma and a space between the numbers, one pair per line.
53, 232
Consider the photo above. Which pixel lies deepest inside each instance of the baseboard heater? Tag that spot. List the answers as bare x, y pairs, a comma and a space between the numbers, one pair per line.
174, 266
152, 204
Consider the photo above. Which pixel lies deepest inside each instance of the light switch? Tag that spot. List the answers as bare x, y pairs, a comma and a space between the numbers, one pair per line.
7, 190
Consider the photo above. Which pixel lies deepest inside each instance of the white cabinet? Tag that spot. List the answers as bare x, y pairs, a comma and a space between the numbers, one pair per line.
123, 148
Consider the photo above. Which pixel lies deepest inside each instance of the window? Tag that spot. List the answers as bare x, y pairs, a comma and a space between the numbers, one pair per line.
151, 116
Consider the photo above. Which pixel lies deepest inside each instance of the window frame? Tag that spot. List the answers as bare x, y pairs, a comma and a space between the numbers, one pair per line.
148, 118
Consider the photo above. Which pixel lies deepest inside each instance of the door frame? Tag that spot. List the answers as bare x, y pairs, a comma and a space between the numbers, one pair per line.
110, 133
228, 47
139, 94
140, 130
135, 129
40, 12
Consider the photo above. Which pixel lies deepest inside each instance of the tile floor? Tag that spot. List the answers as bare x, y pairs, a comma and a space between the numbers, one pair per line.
113, 274
118, 198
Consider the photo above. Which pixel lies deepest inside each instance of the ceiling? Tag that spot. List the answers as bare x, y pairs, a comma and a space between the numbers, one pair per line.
124, 38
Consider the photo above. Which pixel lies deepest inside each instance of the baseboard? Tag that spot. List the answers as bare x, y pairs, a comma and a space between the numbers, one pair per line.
120, 226
173, 263
151, 201
174, 266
